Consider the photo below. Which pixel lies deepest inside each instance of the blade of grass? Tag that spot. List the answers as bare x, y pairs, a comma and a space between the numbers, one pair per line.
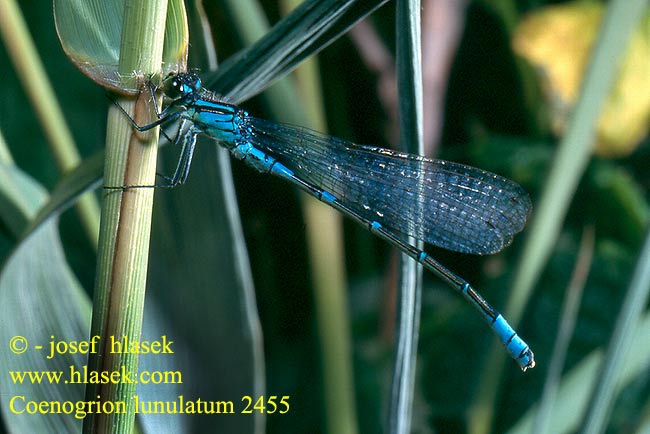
409, 85
324, 234
40, 300
302, 33
324, 228
578, 385
569, 165
565, 331
41, 94
20, 197
627, 322
249, 16
5, 153
87, 176
234, 226
126, 219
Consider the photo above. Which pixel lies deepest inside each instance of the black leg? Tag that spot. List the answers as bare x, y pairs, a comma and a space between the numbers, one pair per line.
163, 117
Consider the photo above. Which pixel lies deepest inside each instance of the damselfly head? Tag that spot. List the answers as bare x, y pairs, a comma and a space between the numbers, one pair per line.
182, 84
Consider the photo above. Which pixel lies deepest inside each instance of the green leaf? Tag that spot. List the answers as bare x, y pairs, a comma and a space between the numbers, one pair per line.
90, 33
84, 178
202, 287
20, 197
40, 301
304, 32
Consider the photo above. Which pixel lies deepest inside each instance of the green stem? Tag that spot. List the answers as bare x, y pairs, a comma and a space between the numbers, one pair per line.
324, 230
126, 219
31, 72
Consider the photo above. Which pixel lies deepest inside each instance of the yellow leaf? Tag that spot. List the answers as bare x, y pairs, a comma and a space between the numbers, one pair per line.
558, 40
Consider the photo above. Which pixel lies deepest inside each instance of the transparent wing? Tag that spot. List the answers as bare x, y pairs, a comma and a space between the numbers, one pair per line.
450, 205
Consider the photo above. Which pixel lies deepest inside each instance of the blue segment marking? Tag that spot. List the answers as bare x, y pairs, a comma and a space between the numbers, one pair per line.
327, 197
516, 347
281, 170
395, 195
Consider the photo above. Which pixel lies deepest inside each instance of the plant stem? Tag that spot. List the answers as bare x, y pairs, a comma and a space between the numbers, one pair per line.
32, 74
126, 220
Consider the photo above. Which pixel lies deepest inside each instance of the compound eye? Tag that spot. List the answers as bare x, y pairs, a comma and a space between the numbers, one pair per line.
181, 85
173, 88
